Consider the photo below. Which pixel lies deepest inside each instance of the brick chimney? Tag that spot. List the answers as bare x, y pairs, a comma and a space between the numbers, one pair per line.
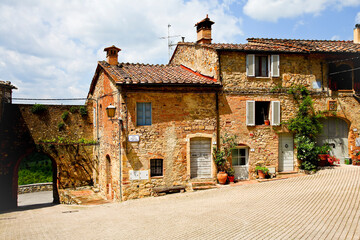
357, 33
112, 55
203, 29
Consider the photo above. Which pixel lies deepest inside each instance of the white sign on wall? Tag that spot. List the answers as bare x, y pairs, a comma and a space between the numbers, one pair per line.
134, 138
139, 175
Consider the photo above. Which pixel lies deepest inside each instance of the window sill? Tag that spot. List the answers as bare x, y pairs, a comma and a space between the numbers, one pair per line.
157, 177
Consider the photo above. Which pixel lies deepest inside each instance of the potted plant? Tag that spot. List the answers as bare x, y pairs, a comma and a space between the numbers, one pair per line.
348, 161
262, 171
230, 172
221, 155
220, 160
323, 154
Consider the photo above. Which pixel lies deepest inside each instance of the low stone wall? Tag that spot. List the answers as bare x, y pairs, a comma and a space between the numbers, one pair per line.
36, 187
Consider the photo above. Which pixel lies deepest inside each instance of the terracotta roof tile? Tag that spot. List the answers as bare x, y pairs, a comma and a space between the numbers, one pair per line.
130, 73
288, 45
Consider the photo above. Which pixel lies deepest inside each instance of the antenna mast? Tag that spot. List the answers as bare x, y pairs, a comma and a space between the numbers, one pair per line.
170, 44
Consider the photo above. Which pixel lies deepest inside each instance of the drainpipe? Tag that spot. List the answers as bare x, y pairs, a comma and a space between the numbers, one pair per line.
120, 131
217, 121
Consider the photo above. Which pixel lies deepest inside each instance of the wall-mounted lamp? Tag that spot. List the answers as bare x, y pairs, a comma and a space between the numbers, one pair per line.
110, 111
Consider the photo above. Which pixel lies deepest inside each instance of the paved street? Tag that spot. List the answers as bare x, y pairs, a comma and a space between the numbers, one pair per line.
35, 198
320, 206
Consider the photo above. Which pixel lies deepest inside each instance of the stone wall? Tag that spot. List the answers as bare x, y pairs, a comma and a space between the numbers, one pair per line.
5, 95
175, 118
106, 131
36, 187
23, 132
198, 58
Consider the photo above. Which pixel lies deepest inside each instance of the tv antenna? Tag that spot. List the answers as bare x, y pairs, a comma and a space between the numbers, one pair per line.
170, 43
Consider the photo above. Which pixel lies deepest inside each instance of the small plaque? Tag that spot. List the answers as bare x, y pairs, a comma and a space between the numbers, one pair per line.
144, 175
139, 175
134, 175
357, 142
332, 105
134, 138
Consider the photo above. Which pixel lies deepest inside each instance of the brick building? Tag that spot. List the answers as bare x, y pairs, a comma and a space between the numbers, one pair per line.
169, 117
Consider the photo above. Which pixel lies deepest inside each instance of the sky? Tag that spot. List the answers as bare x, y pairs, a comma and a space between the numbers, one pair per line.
50, 49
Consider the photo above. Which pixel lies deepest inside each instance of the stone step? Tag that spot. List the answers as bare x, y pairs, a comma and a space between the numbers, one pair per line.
287, 173
203, 184
196, 188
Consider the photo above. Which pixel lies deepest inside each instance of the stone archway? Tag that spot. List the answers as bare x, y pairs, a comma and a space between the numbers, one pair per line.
55, 192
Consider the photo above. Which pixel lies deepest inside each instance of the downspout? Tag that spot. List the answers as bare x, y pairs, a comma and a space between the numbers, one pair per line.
217, 106
120, 131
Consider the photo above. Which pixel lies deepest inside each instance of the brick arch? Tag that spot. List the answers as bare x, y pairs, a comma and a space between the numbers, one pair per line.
15, 186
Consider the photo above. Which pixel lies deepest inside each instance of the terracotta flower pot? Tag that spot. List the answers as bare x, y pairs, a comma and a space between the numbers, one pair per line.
323, 159
222, 177
267, 122
261, 174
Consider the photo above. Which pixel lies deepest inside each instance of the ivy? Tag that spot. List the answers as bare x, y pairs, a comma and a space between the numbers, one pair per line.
306, 126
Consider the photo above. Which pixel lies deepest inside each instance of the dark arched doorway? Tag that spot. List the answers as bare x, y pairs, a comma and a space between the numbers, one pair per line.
109, 194
35, 169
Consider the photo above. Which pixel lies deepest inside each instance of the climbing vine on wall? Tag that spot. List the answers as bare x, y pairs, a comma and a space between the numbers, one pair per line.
305, 126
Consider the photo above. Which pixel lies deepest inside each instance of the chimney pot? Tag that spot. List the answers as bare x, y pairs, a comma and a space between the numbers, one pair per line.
112, 55
203, 29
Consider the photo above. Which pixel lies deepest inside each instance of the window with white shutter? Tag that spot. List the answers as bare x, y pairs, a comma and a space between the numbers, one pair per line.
250, 113
250, 65
275, 113
275, 63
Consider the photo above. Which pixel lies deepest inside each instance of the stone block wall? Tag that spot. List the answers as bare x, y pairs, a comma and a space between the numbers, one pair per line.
175, 118
198, 58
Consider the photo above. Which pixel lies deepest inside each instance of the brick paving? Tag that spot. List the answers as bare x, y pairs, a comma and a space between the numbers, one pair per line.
320, 206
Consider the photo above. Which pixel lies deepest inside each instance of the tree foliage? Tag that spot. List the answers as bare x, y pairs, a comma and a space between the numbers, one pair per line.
36, 168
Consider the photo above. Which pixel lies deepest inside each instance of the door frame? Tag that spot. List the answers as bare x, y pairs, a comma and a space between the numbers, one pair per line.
188, 156
247, 158
280, 157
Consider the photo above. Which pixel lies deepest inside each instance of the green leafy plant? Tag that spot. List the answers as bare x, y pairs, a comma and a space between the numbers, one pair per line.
38, 108
305, 126
73, 109
65, 115
324, 149
83, 111
61, 126
35, 168
230, 171
265, 170
222, 154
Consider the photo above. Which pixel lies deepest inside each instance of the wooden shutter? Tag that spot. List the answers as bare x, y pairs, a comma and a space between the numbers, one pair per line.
275, 113
250, 65
275, 63
250, 113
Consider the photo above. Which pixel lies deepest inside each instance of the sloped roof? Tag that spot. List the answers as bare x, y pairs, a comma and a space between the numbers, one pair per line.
130, 73
287, 45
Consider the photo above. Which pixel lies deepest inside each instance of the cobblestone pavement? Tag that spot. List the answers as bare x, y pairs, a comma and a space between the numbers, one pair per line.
320, 206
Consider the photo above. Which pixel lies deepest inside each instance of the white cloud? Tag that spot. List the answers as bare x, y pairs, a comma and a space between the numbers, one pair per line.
357, 19
51, 48
266, 10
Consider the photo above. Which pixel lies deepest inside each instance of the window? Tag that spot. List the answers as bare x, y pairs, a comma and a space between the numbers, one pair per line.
143, 113
340, 77
262, 65
156, 167
239, 156
258, 112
